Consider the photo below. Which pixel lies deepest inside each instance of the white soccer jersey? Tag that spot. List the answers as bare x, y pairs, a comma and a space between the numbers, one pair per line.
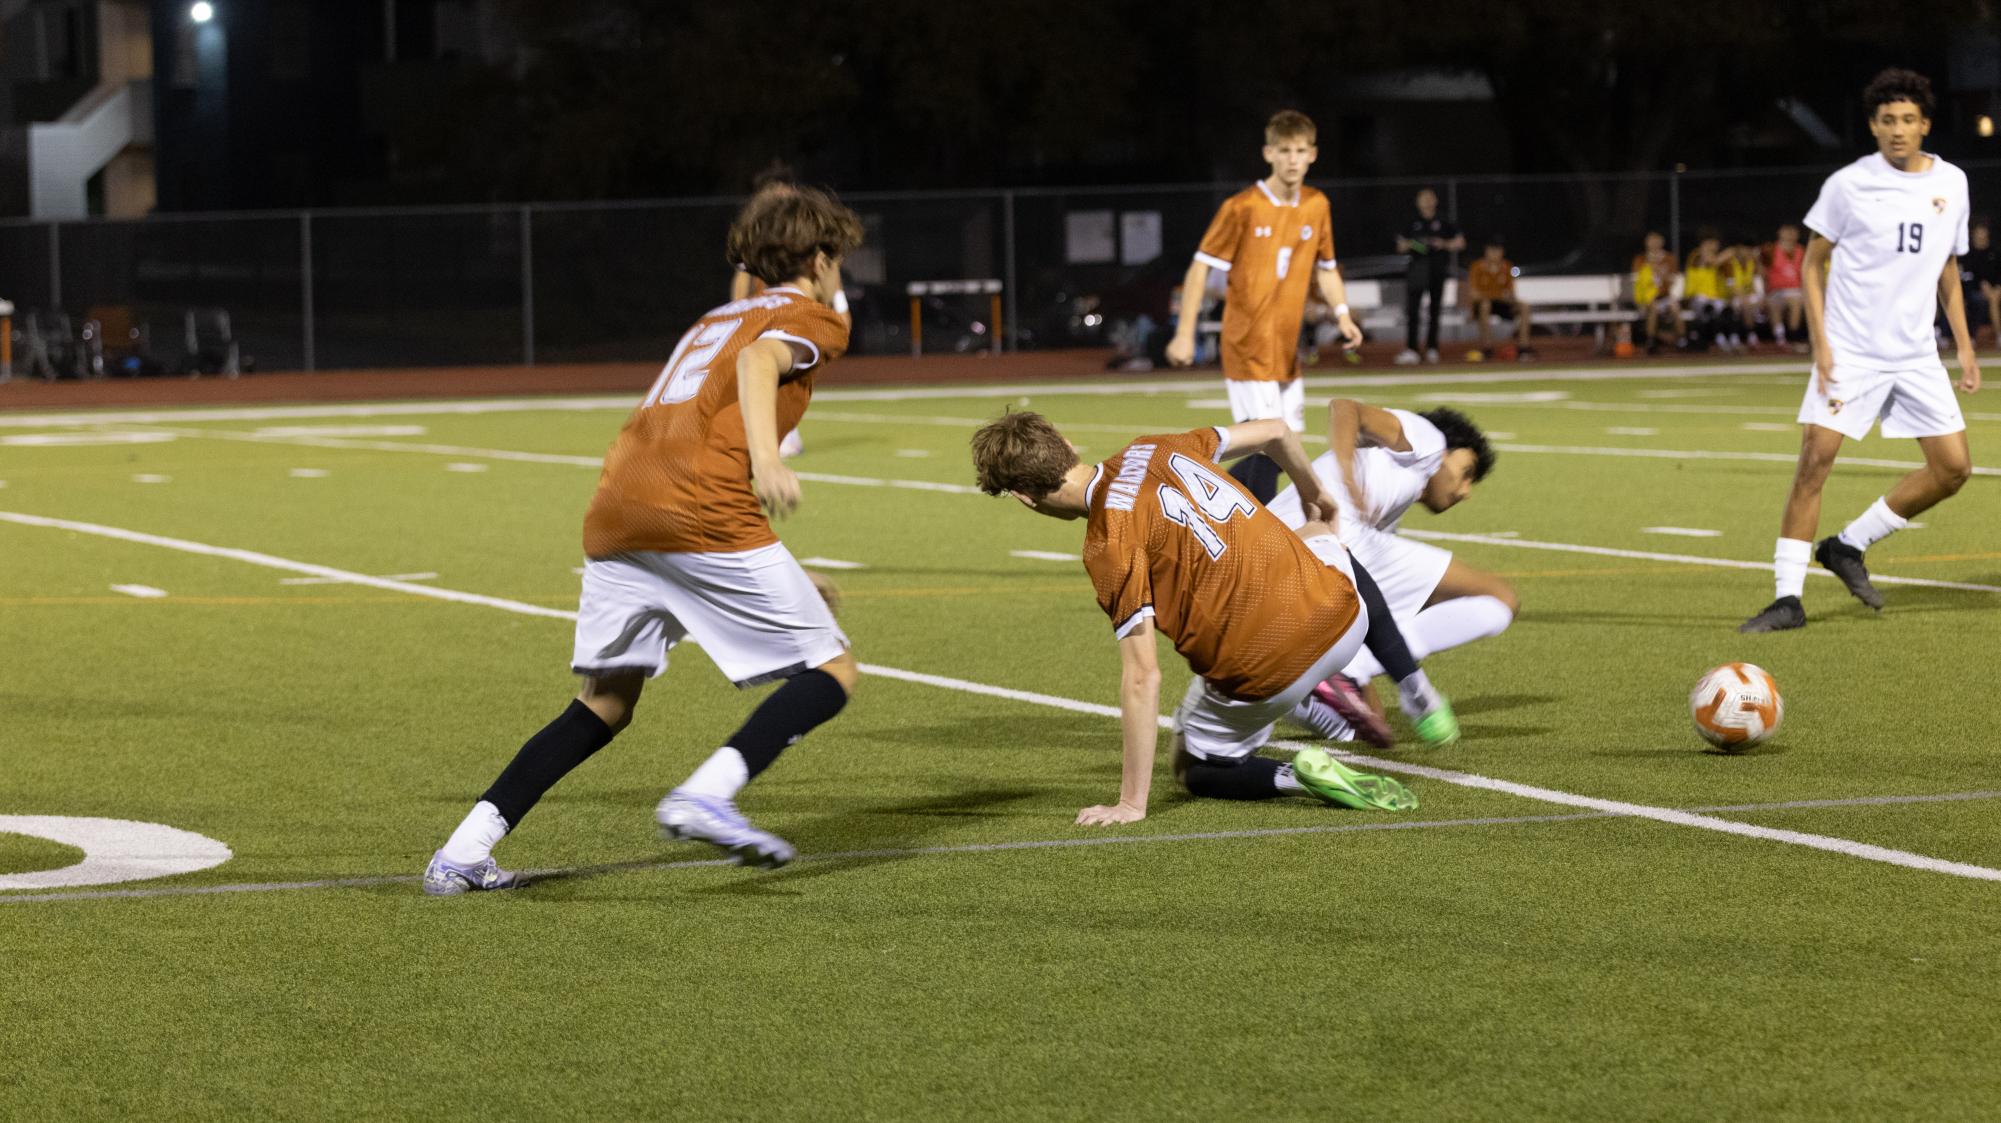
1391, 480
1892, 233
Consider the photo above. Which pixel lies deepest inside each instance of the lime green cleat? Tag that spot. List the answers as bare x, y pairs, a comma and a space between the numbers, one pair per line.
1439, 727
1337, 783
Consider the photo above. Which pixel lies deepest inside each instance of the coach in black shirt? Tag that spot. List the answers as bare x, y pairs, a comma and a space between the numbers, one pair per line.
1980, 277
1429, 240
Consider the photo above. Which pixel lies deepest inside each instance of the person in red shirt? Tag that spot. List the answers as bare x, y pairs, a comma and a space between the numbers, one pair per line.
677, 545
1785, 299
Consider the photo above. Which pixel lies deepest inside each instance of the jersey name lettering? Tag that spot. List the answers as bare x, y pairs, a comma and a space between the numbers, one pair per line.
1123, 492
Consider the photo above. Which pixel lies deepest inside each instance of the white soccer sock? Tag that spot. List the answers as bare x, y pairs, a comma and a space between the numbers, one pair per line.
721, 776
1873, 525
1285, 781
1439, 628
475, 839
1789, 560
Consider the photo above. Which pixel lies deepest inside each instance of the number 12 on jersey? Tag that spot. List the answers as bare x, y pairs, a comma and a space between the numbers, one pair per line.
688, 367
1208, 498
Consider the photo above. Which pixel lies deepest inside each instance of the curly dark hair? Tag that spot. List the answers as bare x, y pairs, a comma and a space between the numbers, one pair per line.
1460, 432
1896, 84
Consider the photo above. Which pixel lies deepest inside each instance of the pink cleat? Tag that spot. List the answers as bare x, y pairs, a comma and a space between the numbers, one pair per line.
1345, 698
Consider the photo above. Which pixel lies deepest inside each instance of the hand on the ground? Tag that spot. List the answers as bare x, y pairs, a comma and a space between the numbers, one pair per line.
1180, 351
1969, 370
777, 490
1105, 816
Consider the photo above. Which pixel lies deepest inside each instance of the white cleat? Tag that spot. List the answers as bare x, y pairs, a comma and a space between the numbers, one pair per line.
700, 818
449, 879
1408, 358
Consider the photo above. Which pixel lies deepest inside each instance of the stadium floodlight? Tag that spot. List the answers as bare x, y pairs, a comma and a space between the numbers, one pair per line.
201, 11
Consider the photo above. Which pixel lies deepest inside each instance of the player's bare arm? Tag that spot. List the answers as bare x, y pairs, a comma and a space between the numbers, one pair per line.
1181, 349
758, 369
1334, 291
1274, 438
1813, 279
1139, 717
1352, 425
1953, 297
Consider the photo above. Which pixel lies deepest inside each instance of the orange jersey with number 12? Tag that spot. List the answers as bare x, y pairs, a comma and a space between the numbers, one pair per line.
677, 478
1271, 250
1172, 537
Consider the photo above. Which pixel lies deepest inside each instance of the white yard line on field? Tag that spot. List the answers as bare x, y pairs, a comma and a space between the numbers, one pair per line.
1683, 559
1697, 820
144, 592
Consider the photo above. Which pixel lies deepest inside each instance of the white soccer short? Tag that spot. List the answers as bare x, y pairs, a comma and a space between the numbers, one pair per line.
1910, 403
1407, 571
755, 612
1256, 401
1214, 726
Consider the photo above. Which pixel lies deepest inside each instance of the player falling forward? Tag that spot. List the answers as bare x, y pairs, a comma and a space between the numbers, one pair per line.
1380, 462
1891, 225
1263, 237
677, 545
1261, 615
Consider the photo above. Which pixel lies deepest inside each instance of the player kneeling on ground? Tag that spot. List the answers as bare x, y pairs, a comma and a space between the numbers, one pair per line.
1379, 463
677, 547
1261, 615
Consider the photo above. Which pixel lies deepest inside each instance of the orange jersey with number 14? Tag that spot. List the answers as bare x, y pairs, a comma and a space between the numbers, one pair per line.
677, 478
1172, 537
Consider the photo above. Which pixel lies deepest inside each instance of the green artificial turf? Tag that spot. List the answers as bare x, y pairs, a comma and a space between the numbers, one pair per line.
1512, 958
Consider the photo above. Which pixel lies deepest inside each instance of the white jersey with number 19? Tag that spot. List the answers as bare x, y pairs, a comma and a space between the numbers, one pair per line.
1892, 233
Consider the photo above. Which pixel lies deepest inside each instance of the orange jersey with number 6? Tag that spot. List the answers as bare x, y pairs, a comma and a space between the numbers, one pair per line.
1271, 250
1171, 536
677, 478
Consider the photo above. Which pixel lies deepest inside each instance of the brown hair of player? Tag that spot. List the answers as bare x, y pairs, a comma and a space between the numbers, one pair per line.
780, 230
1290, 124
1020, 451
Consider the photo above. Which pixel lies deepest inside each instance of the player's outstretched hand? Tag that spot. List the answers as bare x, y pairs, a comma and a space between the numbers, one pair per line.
1823, 373
1180, 352
777, 490
1105, 816
1969, 371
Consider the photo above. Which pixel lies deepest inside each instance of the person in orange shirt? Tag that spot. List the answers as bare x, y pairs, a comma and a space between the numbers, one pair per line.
1262, 615
1268, 238
677, 545
1490, 288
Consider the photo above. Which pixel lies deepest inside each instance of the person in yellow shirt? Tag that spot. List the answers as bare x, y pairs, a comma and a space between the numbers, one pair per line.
1654, 272
1702, 290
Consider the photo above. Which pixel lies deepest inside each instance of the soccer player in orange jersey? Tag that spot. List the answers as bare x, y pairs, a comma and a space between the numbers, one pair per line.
677, 545
1262, 615
1268, 237
744, 284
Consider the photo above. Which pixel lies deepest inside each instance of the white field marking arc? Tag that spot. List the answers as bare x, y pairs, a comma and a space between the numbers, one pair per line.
1001, 847
143, 592
1464, 779
1525, 401
342, 431
1045, 555
343, 581
831, 563
1681, 531
309, 473
1682, 559
1707, 454
114, 850
151, 478
84, 439
587, 403
1632, 431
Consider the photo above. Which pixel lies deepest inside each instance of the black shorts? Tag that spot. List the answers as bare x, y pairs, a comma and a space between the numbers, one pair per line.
1505, 309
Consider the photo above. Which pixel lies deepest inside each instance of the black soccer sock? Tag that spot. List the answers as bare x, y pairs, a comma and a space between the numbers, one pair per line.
1252, 778
1384, 639
546, 758
793, 710
1259, 475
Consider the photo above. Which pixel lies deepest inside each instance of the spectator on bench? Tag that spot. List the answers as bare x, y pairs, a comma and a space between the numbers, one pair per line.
1980, 280
1654, 272
1740, 288
1490, 290
1785, 301
1702, 288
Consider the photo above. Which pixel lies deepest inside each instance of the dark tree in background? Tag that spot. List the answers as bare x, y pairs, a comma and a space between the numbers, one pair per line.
634, 98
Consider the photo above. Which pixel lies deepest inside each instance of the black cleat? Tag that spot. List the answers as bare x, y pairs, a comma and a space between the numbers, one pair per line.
1845, 562
1781, 614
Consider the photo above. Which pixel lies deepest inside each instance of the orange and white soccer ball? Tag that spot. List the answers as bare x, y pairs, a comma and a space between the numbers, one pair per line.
1736, 706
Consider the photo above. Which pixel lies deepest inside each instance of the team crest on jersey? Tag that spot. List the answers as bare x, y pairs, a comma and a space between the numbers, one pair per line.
1306, 232
1834, 405
1938, 205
